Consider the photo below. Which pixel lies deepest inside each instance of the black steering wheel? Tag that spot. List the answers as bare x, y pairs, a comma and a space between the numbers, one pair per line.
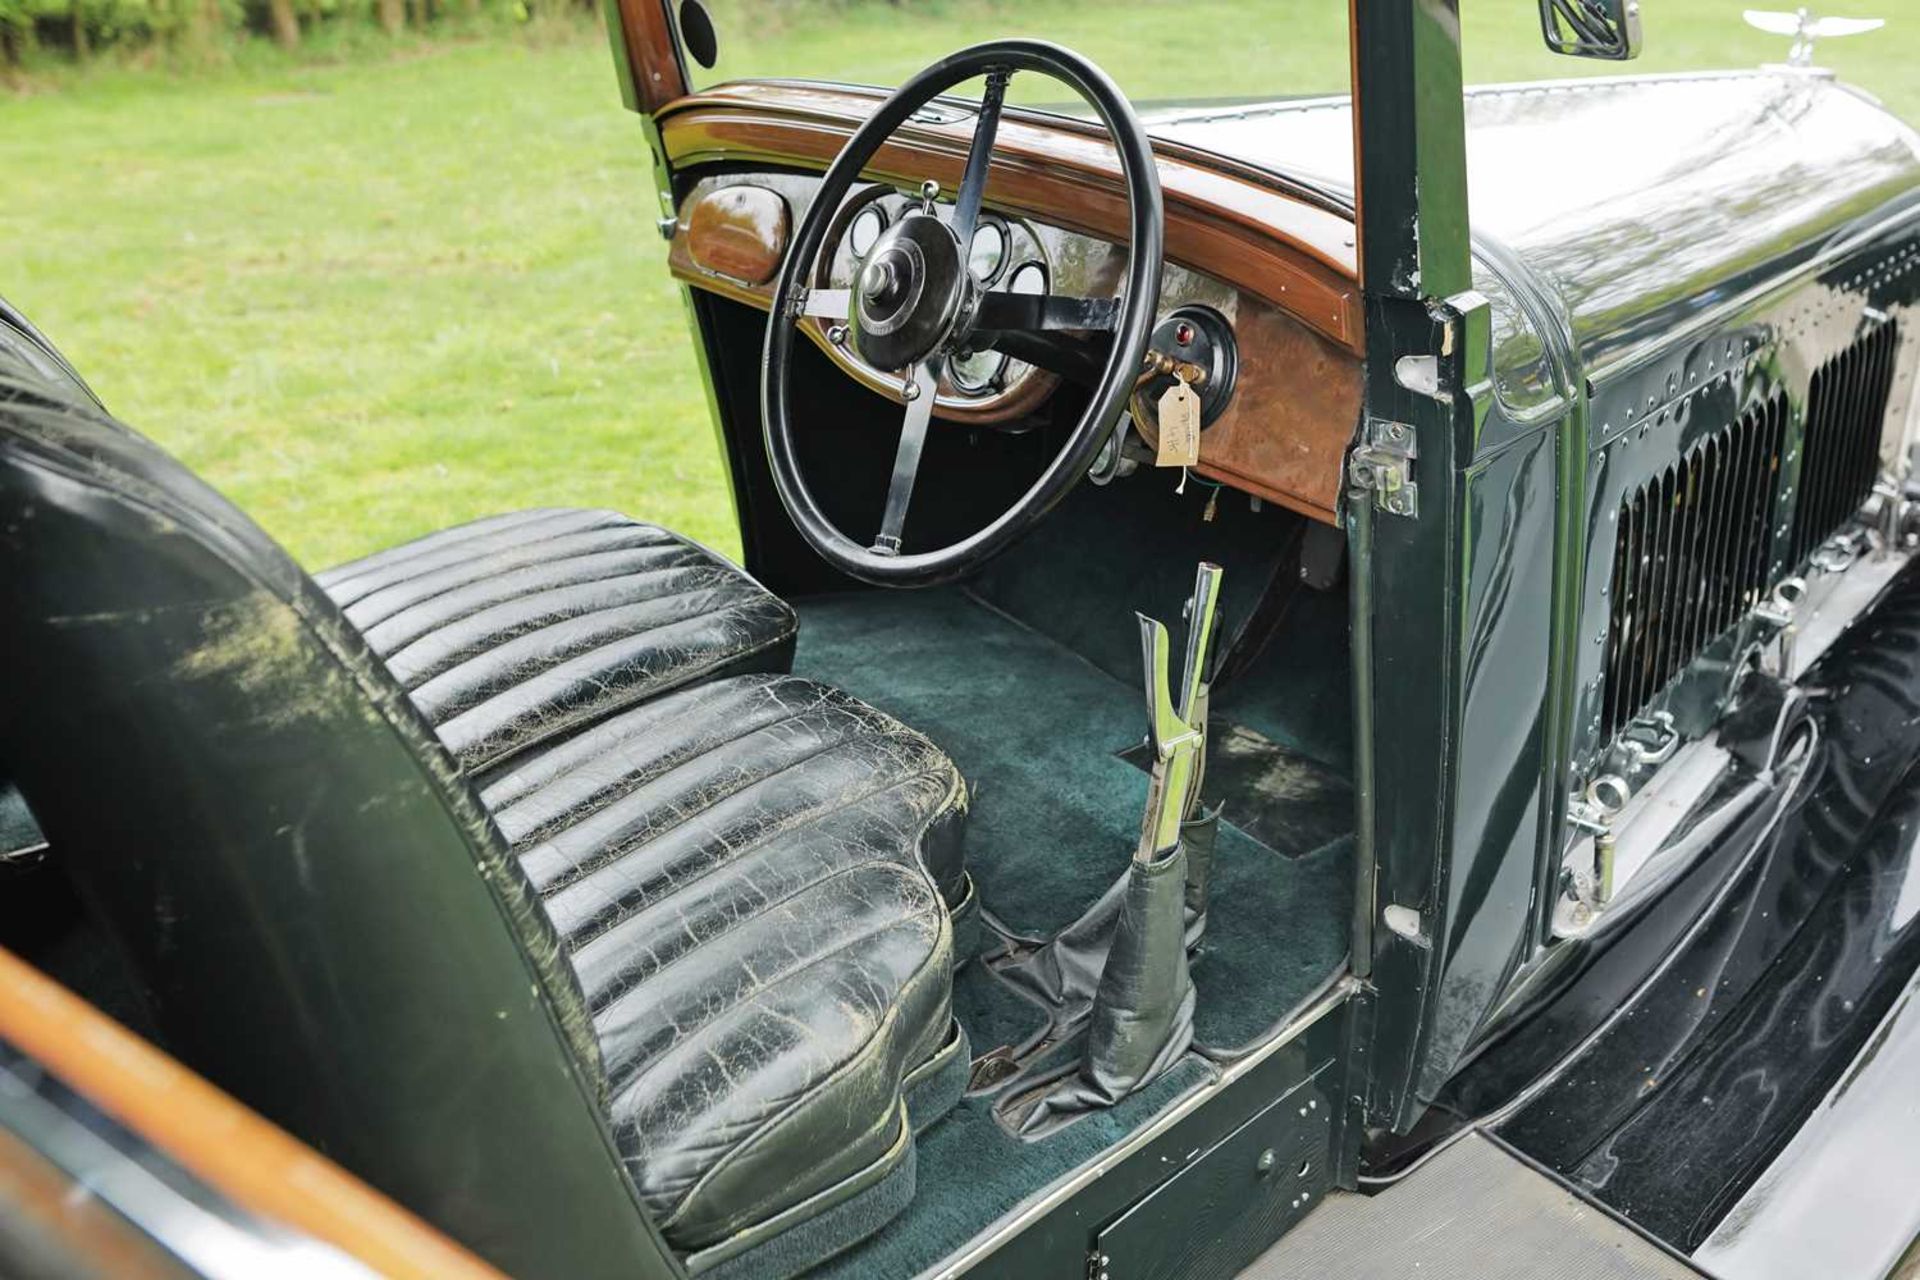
914, 304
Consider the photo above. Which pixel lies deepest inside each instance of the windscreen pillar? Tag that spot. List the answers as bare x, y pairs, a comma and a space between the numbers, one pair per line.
1426, 386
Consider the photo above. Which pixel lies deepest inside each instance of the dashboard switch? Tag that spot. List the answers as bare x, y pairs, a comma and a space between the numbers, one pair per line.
1197, 336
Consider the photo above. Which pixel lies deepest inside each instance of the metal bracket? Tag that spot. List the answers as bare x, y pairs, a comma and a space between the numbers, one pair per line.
1837, 554
1384, 467
1650, 741
1590, 888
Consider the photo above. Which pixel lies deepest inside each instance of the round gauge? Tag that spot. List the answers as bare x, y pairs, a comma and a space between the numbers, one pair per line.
989, 252
866, 229
1028, 278
977, 372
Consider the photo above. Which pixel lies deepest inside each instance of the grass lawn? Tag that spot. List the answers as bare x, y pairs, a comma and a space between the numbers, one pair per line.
369, 300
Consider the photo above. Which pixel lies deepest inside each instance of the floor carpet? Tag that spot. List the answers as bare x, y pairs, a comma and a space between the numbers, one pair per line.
1134, 546
971, 1173
1038, 732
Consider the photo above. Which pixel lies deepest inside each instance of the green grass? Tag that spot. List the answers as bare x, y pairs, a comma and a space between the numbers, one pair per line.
370, 299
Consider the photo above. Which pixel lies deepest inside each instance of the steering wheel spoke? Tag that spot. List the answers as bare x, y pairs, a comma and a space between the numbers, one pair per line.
906, 458
827, 304
973, 182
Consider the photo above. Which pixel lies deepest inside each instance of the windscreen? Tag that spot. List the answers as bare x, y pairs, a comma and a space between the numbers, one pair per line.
1158, 51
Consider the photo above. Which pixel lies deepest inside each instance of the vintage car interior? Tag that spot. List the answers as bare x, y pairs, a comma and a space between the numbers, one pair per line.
620, 910
724, 909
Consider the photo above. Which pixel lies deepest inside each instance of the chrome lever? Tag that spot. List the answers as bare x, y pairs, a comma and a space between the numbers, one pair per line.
1176, 731
1202, 610
1166, 728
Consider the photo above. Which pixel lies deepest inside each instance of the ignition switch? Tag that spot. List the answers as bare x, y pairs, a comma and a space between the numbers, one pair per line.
1197, 336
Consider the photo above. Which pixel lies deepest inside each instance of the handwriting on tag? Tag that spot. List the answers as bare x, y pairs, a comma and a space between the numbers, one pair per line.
1179, 415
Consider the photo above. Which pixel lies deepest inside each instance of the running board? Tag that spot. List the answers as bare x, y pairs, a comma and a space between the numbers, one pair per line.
1472, 1212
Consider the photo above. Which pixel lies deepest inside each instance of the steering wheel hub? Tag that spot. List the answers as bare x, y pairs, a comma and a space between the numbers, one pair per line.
908, 293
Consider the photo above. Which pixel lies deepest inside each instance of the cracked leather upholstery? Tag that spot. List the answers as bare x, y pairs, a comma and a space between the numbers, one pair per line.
508, 631
745, 874
693, 957
318, 912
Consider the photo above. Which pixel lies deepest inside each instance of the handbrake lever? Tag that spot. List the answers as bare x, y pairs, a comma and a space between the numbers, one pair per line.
1196, 687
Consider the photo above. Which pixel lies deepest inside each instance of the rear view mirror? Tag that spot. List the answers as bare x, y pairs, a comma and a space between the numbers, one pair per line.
1607, 29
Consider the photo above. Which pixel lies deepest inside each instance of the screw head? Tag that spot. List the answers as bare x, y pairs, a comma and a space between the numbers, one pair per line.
909, 391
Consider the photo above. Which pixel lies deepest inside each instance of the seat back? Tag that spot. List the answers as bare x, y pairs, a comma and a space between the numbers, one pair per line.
320, 914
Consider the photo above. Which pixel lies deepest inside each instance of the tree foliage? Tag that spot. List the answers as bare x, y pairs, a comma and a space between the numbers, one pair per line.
77, 29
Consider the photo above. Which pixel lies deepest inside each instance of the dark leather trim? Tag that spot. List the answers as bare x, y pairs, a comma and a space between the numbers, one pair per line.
740, 873
325, 920
742, 1254
517, 629
936, 1086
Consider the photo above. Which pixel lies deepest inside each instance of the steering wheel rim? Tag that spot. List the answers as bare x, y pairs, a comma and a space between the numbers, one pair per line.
1132, 327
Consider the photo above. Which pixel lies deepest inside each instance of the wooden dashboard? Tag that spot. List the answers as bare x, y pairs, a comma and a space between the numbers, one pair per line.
1276, 264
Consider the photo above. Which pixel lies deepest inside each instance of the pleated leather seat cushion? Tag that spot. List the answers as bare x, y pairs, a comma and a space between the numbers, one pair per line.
511, 630
745, 874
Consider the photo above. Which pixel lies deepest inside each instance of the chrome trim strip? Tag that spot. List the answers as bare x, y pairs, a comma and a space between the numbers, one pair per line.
1835, 601
1641, 828
215, 1238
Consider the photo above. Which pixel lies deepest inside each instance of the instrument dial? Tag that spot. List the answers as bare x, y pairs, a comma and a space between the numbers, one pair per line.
977, 372
1028, 278
989, 252
865, 231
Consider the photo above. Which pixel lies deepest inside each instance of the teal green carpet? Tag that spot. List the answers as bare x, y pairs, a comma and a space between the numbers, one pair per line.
1134, 545
1035, 729
971, 1173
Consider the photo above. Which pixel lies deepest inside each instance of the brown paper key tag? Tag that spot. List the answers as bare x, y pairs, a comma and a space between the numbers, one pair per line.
1179, 415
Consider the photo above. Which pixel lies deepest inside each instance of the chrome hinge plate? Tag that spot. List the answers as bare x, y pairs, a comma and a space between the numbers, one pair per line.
1384, 467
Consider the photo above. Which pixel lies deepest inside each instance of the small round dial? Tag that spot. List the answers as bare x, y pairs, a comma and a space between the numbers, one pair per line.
1028, 278
865, 231
976, 372
989, 252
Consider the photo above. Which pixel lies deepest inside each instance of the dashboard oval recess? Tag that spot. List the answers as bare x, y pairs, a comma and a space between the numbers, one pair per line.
739, 232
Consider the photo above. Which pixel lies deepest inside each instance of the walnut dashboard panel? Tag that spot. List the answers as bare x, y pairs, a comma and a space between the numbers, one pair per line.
1295, 409
1284, 244
1283, 437
739, 231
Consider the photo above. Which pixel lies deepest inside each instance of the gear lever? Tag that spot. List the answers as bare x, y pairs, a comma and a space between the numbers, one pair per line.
1141, 1015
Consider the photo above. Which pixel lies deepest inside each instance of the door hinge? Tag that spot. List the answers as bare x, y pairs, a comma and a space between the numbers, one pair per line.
1097, 1263
1384, 467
